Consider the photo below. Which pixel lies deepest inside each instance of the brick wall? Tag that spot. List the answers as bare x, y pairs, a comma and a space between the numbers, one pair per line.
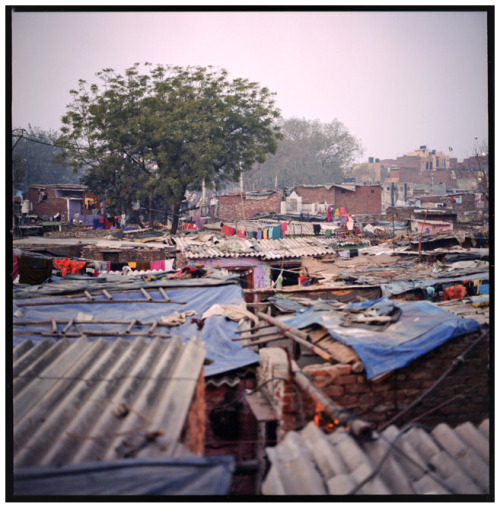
50, 206
462, 396
193, 434
365, 200
241, 438
232, 208
95, 253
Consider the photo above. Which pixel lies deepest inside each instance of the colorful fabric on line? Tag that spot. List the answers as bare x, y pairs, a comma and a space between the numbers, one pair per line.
241, 234
284, 227
158, 265
336, 214
228, 231
264, 234
132, 265
67, 266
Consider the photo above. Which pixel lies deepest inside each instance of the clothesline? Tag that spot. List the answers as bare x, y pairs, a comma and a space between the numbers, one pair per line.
276, 232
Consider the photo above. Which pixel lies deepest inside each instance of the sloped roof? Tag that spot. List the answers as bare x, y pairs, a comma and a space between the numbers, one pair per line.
84, 401
411, 461
264, 249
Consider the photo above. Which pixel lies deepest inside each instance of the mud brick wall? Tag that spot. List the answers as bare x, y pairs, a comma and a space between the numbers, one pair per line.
193, 435
95, 253
232, 208
464, 395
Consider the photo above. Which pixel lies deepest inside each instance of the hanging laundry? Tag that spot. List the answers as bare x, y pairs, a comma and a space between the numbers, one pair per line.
67, 266
132, 265
284, 227
455, 292
329, 214
328, 233
342, 211
264, 234
158, 265
277, 232
34, 271
316, 229
337, 213
143, 266
228, 231
15, 267
241, 233
259, 235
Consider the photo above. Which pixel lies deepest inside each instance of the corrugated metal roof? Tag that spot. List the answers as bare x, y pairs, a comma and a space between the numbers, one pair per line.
265, 249
411, 461
85, 400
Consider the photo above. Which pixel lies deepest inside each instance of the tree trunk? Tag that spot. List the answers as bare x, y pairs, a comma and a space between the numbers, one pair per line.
175, 218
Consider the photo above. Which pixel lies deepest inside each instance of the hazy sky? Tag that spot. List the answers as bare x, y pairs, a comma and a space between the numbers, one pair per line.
396, 80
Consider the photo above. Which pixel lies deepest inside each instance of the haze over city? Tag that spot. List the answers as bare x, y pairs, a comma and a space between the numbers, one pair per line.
396, 80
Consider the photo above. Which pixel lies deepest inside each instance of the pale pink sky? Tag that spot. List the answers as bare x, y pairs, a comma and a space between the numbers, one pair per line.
396, 80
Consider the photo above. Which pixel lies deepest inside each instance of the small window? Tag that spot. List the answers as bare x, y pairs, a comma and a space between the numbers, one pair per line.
372, 191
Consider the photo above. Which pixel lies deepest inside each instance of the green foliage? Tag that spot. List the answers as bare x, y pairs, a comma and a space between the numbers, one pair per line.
310, 152
160, 133
35, 161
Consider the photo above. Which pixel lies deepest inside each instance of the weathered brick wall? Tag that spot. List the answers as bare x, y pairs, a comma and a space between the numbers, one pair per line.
241, 441
95, 253
365, 200
193, 435
50, 206
462, 396
232, 208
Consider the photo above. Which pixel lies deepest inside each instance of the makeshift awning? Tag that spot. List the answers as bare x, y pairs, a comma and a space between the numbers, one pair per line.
421, 328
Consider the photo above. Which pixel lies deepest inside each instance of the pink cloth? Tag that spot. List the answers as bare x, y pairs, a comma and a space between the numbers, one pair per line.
241, 234
342, 211
283, 228
158, 265
15, 267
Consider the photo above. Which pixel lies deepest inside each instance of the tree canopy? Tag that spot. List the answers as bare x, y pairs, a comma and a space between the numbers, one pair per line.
155, 134
35, 160
310, 152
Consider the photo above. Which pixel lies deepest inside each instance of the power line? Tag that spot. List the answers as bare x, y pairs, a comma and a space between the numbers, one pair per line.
20, 136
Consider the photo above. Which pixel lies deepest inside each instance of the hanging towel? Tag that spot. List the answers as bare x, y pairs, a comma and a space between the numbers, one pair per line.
284, 227
336, 214
132, 265
158, 265
259, 235
316, 229
264, 234
143, 266
342, 211
241, 233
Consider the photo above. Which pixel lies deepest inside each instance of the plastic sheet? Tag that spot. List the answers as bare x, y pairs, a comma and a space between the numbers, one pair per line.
170, 476
222, 353
421, 328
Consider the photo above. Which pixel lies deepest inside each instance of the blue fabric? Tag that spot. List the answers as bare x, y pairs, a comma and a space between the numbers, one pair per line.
216, 333
484, 289
156, 476
421, 328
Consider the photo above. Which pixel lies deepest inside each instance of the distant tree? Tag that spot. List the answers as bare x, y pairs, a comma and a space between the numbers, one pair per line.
160, 133
310, 152
35, 159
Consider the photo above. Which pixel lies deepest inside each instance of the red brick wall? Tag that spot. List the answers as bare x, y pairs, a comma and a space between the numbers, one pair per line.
193, 435
50, 206
231, 207
462, 396
243, 444
365, 200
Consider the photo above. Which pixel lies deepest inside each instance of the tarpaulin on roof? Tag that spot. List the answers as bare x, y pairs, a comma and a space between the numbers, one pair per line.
222, 353
421, 328
165, 476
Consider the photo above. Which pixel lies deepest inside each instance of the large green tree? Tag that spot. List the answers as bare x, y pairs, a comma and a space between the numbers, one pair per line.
310, 152
153, 134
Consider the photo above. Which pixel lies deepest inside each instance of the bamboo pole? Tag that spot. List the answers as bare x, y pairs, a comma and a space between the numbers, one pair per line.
272, 330
95, 301
93, 333
73, 322
263, 340
297, 335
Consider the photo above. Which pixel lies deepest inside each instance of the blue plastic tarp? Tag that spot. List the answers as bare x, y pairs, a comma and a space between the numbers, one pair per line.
222, 353
138, 477
422, 326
